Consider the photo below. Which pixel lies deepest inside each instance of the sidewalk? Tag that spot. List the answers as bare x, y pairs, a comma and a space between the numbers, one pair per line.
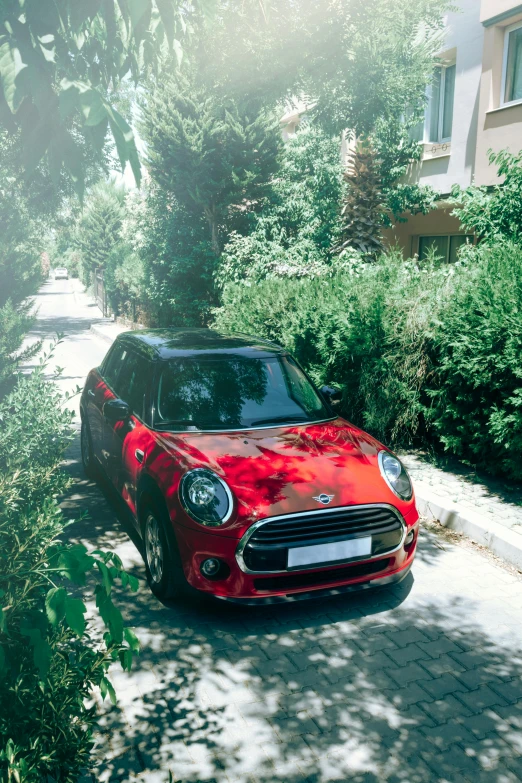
486, 510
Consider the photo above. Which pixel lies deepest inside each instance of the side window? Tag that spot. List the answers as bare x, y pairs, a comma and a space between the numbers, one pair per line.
112, 369
133, 380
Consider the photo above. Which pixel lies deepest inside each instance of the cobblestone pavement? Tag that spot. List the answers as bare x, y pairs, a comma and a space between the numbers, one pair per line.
417, 683
462, 485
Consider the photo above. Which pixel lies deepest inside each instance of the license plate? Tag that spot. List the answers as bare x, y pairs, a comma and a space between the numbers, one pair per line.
326, 553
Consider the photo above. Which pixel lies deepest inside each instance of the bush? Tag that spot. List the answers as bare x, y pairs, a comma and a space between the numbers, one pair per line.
422, 352
293, 234
368, 331
50, 659
477, 387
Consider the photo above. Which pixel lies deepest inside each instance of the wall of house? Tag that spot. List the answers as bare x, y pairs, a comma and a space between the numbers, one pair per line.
406, 235
448, 164
499, 127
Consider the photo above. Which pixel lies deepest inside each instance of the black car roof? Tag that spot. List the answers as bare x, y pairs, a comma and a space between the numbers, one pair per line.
171, 342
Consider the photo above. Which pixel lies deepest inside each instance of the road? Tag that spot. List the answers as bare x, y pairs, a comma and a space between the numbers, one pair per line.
417, 683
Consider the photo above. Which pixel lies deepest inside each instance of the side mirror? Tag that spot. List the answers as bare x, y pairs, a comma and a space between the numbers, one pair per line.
116, 410
332, 395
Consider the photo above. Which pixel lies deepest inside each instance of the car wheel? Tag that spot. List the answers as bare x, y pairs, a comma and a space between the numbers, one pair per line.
89, 467
162, 559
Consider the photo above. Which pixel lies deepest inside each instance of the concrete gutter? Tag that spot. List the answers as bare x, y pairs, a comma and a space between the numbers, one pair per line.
501, 540
107, 331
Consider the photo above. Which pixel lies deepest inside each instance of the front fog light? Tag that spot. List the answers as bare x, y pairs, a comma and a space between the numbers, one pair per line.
213, 568
409, 538
210, 567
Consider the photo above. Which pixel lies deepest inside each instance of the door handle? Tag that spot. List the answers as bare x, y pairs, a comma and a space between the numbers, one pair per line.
91, 393
140, 455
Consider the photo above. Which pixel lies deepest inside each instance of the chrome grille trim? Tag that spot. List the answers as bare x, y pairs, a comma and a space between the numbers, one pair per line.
252, 529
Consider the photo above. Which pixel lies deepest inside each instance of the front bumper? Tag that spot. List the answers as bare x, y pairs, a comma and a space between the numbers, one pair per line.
196, 546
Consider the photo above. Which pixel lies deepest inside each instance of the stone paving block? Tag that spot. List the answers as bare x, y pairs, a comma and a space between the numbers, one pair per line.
443, 685
448, 762
474, 678
412, 672
404, 697
408, 636
403, 655
442, 710
448, 734
443, 665
485, 724
481, 698
440, 646
511, 692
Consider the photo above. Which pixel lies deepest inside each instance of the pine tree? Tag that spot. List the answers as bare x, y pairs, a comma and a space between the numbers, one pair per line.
363, 204
99, 229
215, 156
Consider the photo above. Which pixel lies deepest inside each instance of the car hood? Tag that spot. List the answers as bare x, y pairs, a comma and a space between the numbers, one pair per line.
284, 470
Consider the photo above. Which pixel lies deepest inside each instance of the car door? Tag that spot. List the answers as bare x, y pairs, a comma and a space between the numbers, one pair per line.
123, 439
98, 391
111, 371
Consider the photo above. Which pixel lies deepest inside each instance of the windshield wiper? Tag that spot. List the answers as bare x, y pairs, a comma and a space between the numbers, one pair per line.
279, 419
178, 423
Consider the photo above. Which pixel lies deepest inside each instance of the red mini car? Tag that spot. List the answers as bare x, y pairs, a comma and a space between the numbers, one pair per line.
243, 481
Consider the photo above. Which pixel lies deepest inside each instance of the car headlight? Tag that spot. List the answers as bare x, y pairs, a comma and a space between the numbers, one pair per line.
206, 497
395, 475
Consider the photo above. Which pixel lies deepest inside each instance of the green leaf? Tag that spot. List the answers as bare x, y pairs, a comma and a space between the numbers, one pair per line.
126, 659
110, 615
75, 610
168, 17
74, 562
2, 659
11, 66
106, 687
125, 143
140, 11
131, 639
55, 604
106, 576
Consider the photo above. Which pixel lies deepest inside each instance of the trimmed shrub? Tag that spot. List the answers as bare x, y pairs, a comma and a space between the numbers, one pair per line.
425, 352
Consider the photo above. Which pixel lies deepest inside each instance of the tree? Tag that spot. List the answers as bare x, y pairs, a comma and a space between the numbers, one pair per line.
59, 59
216, 156
363, 208
294, 232
99, 227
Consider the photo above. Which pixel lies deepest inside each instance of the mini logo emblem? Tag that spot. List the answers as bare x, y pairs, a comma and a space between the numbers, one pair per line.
324, 499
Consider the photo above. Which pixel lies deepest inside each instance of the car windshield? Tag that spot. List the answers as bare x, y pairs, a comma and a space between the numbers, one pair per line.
235, 392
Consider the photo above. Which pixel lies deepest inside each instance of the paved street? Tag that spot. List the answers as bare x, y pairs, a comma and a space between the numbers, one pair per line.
417, 683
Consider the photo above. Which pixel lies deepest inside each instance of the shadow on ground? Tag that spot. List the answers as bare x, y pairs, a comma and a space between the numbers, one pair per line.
406, 684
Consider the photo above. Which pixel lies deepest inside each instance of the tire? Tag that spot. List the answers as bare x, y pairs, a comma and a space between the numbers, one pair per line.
89, 465
161, 555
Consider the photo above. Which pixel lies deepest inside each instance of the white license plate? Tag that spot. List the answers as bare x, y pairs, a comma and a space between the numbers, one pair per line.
326, 553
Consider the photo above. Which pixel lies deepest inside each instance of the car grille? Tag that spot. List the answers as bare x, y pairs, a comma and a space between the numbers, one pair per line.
332, 576
267, 547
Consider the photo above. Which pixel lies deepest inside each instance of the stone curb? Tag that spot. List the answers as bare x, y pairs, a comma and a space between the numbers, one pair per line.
502, 541
99, 331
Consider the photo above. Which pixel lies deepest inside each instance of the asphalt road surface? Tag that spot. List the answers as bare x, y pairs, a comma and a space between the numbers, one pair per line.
417, 683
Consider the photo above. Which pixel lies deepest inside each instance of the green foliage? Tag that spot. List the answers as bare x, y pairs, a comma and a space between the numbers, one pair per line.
476, 392
58, 61
498, 213
214, 156
293, 234
211, 160
99, 228
50, 656
365, 331
424, 351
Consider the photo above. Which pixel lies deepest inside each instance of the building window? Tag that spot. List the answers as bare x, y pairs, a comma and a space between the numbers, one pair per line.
437, 124
512, 81
440, 106
443, 246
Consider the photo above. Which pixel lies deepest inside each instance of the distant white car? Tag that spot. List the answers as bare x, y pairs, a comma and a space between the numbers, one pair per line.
61, 273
